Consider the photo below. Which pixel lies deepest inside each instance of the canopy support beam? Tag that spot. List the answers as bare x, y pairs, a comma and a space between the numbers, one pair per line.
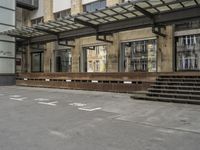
155, 29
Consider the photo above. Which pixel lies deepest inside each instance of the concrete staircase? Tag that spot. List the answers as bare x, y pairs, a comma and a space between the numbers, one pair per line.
173, 88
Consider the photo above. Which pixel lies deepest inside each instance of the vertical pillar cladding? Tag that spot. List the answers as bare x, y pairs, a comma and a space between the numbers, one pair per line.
113, 49
48, 53
165, 51
112, 2
76, 7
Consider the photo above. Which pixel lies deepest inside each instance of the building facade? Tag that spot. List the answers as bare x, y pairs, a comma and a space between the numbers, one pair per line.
131, 51
7, 44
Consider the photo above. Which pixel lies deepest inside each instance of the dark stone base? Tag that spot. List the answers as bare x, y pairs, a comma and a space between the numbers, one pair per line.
7, 79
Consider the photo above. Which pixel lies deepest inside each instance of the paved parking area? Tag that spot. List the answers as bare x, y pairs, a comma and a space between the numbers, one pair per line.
55, 119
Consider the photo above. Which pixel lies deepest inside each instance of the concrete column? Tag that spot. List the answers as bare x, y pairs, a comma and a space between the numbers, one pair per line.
48, 53
28, 59
113, 54
112, 2
165, 51
77, 7
76, 56
113, 49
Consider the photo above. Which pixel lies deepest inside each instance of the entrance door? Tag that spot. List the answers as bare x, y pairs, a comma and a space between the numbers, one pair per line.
37, 64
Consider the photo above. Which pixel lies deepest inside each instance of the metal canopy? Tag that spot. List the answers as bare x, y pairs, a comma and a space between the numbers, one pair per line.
94, 21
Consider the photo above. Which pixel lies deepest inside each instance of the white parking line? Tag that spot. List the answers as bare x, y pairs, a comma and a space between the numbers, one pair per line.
49, 103
87, 109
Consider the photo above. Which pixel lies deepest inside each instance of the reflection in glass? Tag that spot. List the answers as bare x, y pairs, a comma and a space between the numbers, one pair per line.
139, 56
96, 59
37, 62
188, 53
63, 60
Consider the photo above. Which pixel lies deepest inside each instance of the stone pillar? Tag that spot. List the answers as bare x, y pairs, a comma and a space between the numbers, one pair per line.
112, 2
165, 51
113, 49
77, 7
76, 56
113, 54
48, 53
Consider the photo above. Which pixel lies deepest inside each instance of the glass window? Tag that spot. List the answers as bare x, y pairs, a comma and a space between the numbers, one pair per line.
63, 60
37, 62
37, 21
96, 58
188, 53
62, 14
139, 56
91, 7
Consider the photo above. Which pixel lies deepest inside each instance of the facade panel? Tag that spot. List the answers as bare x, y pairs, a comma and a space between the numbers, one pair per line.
59, 5
7, 44
7, 16
8, 4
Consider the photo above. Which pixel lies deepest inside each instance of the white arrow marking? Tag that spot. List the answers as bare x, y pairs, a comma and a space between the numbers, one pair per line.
87, 109
18, 99
49, 103
15, 96
77, 104
41, 99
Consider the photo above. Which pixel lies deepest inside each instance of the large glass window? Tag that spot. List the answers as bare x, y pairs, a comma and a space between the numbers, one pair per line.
62, 14
94, 5
188, 53
37, 62
139, 56
63, 60
37, 21
95, 59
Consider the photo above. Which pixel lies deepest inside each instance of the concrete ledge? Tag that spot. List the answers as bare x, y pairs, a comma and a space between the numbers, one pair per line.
7, 79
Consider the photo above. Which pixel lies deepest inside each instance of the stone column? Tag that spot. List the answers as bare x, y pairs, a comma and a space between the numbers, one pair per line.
48, 53
165, 51
112, 2
113, 49
76, 8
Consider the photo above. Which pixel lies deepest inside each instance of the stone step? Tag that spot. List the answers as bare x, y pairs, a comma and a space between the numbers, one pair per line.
179, 79
164, 99
177, 83
174, 95
178, 91
179, 76
175, 87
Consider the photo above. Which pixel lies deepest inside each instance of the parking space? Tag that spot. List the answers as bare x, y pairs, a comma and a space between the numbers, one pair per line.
56, 119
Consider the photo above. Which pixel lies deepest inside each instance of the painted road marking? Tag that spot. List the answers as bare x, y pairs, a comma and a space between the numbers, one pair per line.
49, 103
93, 109
77, 104
41, 99
18, 99
15, 96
